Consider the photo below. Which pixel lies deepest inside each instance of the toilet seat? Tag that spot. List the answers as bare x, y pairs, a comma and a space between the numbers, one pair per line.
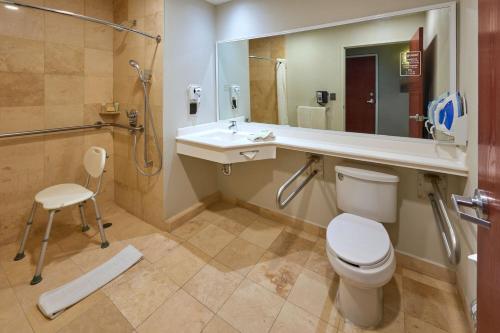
358, 241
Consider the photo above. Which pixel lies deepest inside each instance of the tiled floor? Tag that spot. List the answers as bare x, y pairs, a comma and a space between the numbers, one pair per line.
227, 270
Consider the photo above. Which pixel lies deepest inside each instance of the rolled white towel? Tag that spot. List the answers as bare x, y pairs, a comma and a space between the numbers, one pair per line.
263, 135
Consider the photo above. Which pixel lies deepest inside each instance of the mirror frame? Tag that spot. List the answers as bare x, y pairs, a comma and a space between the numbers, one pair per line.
451, 6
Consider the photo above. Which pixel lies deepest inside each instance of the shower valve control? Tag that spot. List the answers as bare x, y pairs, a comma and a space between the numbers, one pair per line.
194, 98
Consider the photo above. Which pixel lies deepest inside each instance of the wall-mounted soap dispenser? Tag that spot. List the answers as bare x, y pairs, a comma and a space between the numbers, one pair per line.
194, 98
234, 93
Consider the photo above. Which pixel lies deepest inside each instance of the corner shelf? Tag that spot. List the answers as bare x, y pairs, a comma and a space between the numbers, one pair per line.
106, 113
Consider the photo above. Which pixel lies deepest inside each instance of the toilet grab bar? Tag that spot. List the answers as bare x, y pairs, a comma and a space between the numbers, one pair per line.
282, 204
444, 224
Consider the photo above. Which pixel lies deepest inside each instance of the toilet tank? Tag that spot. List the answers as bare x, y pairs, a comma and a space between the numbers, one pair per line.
366, 191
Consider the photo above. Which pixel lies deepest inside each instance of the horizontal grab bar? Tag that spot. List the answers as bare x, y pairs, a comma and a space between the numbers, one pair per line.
281, 190
97, 125
444, 224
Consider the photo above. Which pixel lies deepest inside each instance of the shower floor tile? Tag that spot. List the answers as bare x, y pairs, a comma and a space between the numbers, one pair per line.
227, 270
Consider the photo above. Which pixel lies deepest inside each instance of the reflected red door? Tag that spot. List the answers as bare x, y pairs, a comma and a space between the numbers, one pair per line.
360, 103
416, 87
488, 281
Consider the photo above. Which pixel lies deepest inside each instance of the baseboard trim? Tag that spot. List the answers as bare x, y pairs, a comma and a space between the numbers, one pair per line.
426, 267
187, 214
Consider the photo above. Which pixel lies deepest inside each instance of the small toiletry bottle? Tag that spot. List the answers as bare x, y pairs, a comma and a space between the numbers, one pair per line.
117, 106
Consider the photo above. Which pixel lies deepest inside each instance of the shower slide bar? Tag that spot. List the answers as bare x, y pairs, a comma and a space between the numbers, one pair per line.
446, 229
113, 25
97, 125
283, 203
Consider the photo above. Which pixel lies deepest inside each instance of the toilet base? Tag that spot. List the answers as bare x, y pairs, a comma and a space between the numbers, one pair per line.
363, 307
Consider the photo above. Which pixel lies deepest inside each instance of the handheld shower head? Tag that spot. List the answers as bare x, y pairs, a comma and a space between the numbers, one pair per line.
135, 65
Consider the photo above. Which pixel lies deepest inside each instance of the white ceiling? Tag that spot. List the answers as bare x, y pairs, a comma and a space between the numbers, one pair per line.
217, 2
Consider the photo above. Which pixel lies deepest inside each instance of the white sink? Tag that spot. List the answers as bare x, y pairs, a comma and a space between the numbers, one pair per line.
223, 136
224, 146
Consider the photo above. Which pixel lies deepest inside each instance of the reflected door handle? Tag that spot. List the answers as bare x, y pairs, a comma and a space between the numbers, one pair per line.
418, 117
370, 101
479, 202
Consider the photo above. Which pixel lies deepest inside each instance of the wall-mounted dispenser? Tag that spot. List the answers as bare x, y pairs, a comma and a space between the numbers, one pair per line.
194, 98
322, 97
234, 93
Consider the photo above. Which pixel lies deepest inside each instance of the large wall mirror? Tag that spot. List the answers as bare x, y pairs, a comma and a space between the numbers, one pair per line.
374, 76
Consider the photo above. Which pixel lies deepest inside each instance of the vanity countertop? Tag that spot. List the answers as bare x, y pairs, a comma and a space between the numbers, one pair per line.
412, 153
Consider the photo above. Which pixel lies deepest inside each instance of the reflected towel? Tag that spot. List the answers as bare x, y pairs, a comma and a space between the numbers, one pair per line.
281, 90
263, 135
311, 117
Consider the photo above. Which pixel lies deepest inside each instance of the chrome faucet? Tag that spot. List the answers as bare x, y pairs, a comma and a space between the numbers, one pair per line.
233, 126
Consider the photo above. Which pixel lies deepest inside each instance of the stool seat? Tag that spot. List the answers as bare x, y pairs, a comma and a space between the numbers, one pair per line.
62, 195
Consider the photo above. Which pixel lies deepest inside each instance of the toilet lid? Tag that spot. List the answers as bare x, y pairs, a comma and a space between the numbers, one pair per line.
358, 240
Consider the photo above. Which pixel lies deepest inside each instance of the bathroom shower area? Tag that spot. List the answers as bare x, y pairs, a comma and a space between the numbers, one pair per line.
74, 74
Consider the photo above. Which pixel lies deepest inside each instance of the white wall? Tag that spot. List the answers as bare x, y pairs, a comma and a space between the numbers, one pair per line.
189, 58
234, 69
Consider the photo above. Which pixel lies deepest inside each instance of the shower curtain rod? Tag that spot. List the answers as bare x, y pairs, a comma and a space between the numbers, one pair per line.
262, 58
113, 25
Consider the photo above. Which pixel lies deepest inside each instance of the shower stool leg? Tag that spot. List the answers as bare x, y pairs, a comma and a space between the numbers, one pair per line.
85, 226
39, 266
20, 254
98, 218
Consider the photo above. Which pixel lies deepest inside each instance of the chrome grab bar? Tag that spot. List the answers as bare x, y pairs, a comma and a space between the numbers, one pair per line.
113, 25
97, 125
444, 224
281, 190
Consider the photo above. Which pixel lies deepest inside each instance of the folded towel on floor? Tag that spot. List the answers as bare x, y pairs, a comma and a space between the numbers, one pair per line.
54, 302
263, 135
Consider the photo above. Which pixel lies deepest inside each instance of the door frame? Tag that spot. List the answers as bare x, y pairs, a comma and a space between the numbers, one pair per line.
376, 83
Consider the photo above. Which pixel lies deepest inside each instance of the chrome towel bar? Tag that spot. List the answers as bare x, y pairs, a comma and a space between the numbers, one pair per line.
97, 125
282, 204
448, 234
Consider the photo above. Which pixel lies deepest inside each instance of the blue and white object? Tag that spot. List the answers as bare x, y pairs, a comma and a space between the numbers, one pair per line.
444, 112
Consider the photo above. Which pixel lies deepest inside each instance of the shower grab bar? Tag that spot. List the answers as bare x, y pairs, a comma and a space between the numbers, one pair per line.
113, 25
281, 190
97, 125
445, 226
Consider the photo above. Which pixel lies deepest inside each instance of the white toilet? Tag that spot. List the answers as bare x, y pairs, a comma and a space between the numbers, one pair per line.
358, 245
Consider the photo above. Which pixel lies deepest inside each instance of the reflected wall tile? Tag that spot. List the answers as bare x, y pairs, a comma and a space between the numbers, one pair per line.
21, 55
21, 89
63, 89
63, 59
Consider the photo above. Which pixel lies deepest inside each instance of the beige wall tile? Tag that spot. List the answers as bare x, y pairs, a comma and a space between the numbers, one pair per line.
98, 62
153, 6
21, 55
63, 59
63, 89
102, 9
98, 36
98, 89
76, 6
63, 115
21, 118
23, 23
21, 89
64, 30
